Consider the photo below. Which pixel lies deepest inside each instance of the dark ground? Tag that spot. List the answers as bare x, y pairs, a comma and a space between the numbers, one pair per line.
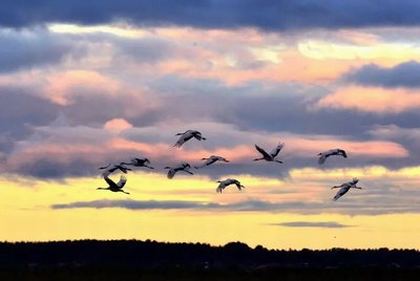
150, 260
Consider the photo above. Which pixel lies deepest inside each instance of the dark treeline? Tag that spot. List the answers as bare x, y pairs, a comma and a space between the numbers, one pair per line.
149, 260
152, 254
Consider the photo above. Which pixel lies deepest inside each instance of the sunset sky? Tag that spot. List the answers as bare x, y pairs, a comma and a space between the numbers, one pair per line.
86, 83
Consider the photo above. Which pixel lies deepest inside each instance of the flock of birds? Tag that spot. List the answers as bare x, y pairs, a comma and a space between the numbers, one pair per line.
185, 167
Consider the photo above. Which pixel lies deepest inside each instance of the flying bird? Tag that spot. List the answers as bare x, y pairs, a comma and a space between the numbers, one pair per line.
115, 187
269, 156
183, 167
138, 162
324, 155
225, 183
210, 160
187, 135
110, 168
345, 187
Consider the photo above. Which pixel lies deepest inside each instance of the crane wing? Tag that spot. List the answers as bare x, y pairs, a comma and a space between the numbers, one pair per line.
104, 167
340, 193
277, 149
180, 142
239, 185
262, 151
110, 182
343, 152
322, 159
122, 182
171, 173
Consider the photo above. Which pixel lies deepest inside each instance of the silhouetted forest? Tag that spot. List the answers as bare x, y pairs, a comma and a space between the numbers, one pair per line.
151, 260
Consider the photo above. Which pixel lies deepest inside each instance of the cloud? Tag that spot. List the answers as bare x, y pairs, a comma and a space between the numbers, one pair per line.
404, 75
19, 113
373, 100
272, 15
117, 125
393, 131
327, 224
61, 149
370, 206
26, 49
135, 205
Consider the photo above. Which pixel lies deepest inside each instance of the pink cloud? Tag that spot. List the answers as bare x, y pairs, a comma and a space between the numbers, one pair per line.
117, 125
60, 86
371, 99
306, 146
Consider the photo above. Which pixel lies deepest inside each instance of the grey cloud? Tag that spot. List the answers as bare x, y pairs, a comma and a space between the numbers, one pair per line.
145, 50
29, 48
402, 75
222, 112
354, 207
264, 106
20, 111
136, 205
327, 224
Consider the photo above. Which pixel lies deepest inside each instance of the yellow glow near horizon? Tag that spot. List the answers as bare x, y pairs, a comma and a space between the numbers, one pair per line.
26, 214
322, 50
119, 30
268, 53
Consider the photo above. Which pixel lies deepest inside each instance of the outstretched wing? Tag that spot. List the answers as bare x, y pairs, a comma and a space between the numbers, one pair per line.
220, 187
322, 159
277, 149
340, 193
122, 182
104, 167
182, 139
110, 182
113, 169
262, 151
239, 185
123, 169
198, 136
343, 152
211, 160
171, 173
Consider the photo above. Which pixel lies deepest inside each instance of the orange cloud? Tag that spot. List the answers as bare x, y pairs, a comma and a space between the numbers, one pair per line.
117, 125
60, 85
372, 99
306, 146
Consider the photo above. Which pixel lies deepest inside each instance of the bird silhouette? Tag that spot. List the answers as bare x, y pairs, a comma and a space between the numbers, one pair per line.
269, 156
138, 162
183, 167
115, 187
345, 187
210, 160
324, 155
187, 135
225, 183
110, 168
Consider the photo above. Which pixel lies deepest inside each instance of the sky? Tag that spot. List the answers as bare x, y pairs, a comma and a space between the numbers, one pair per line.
83, 84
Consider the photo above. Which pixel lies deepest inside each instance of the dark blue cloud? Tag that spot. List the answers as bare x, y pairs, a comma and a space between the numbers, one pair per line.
402, 75
267, 15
